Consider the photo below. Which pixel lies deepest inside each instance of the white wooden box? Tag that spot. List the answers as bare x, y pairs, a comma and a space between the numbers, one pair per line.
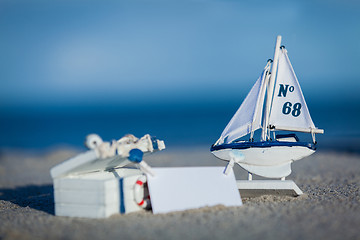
87, 186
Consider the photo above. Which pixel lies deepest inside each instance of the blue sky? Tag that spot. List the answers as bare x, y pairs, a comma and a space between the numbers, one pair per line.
86, 52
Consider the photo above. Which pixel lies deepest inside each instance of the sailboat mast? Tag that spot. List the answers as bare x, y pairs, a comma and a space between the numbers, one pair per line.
270, 89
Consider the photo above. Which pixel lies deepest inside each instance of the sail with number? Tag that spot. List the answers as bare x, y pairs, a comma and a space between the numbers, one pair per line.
289, 110
247, 118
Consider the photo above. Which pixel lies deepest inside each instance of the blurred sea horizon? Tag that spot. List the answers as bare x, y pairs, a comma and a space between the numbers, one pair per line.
179, 124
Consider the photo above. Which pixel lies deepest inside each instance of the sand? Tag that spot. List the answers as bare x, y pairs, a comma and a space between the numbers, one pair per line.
328, 209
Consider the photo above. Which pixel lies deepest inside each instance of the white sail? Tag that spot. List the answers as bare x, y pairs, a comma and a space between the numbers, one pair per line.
248, 116
289, 110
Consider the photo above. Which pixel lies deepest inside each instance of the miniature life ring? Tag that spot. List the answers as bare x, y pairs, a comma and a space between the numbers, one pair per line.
140, 199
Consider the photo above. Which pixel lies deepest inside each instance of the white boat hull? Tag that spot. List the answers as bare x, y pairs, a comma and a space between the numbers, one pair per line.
270, 162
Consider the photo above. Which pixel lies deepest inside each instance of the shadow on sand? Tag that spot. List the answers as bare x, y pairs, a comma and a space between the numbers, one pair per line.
38, 197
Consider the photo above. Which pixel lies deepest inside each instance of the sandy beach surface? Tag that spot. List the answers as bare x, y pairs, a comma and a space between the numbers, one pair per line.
328, 209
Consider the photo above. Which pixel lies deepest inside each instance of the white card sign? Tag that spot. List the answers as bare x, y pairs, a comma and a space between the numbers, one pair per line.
177, 189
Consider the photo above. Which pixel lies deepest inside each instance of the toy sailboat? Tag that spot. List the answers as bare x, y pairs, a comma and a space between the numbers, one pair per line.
275, 103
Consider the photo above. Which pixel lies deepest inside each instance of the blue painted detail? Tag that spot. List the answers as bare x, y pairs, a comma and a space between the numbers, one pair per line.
121, 190
136, 155
265, 144
154, 143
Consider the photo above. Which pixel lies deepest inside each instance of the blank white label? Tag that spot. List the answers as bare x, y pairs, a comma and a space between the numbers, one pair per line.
177, 189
